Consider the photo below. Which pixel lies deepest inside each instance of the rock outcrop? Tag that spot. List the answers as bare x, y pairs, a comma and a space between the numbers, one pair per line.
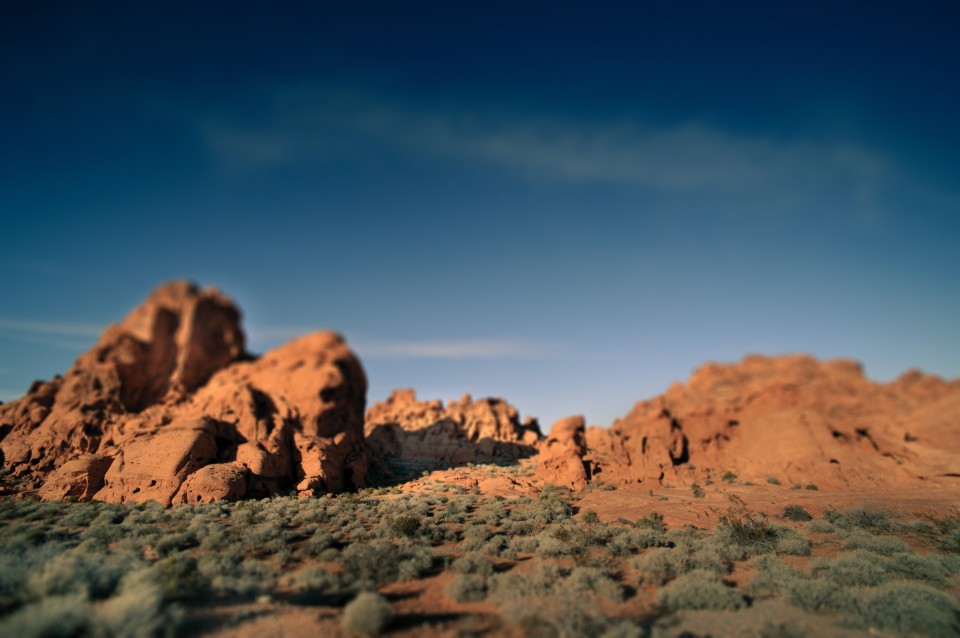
561, 455
403, 432
793, 419
169, 407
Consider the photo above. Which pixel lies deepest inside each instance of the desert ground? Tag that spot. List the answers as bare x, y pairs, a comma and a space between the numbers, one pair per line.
171, 483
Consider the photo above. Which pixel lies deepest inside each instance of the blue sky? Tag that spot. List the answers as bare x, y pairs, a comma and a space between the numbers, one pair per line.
567, 205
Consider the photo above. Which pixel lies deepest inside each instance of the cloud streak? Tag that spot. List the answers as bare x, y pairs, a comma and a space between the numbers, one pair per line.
314, 124
453, 349
65, 335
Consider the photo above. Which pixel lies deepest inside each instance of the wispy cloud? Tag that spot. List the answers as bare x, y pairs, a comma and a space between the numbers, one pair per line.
51, 328
69, 336
467, 348
310, 124
458, 349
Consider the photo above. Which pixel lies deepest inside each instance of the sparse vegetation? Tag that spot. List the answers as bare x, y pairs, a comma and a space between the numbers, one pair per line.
98, 569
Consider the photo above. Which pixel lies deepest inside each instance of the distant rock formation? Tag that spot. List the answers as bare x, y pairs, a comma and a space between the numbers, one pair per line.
404, 432
168, 407
562, 454
792, 419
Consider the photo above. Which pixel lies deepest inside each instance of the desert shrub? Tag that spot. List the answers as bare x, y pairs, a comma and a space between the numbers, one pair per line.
499, 545
819, 595
381, 562
698, 589
232, 575
756, 536
866, 519
491, 513
772, 577
473, 563
885, 545
51, 617
466, 588
366, 615
630, 541
583, 579
564, 612
856, 568
179, 578
314, 584
811, 487
136, 610
820, 526
932, 569
475, 537
405, 525
552, 505
518, 528
91, 574
317, 543
728, 477
796, 513
773, 480
657, 566
697, 490
175, 542
911, 608
654, 521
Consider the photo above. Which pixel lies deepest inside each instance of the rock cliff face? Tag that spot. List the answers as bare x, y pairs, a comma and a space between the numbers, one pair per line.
403, 431
168, 407
792, 418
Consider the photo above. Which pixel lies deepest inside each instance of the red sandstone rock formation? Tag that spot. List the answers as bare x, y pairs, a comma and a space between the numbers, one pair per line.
402, 430
168, 407
793, 418
561, 455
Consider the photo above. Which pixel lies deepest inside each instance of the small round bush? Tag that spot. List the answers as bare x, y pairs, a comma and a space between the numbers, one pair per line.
366, 615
